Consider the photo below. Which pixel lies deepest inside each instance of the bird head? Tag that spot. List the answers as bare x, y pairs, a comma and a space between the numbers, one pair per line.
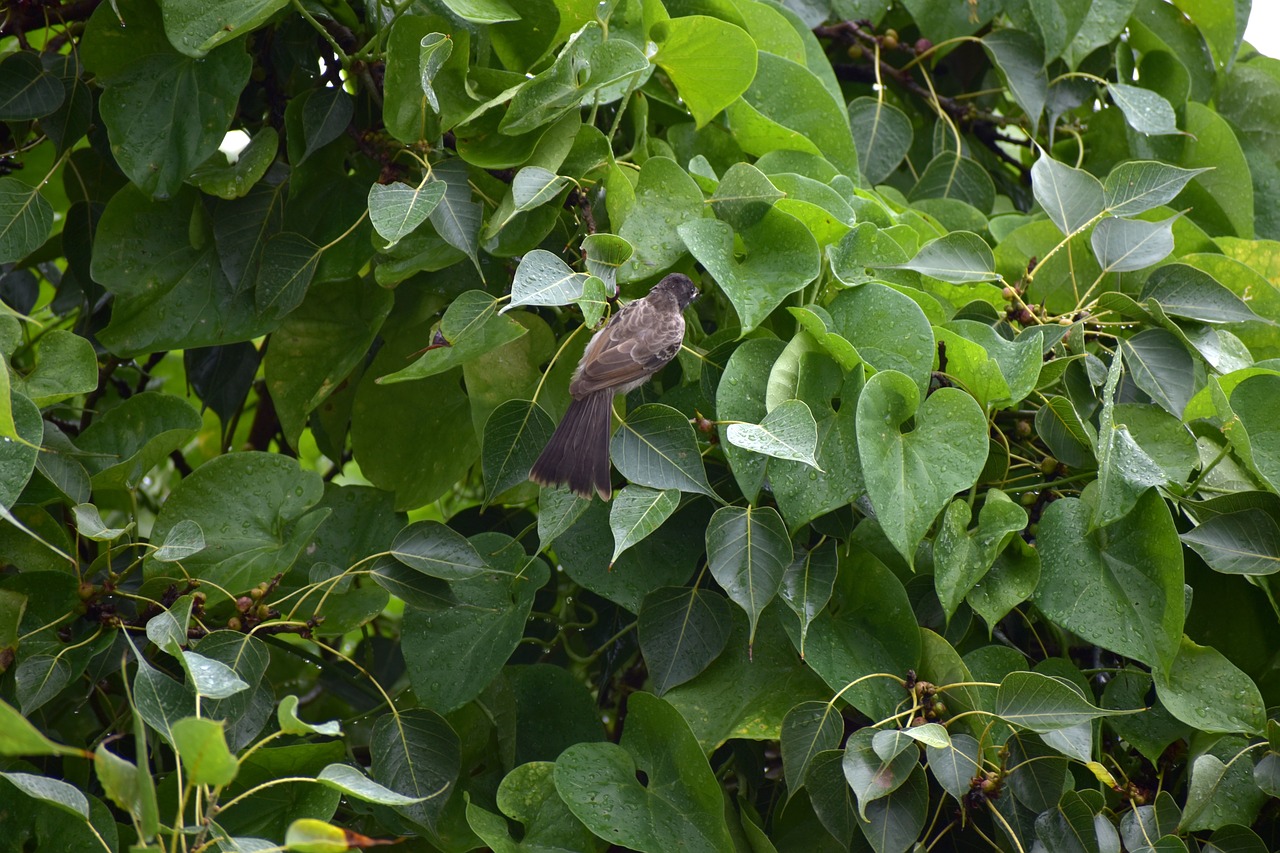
680, 287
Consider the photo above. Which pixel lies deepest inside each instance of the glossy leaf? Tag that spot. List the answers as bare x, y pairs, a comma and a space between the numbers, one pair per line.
682, 631
747, 552
636, 512
656, 447
911, 476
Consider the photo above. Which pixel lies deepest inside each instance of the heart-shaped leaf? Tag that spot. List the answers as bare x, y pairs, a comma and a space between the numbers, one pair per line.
912, 475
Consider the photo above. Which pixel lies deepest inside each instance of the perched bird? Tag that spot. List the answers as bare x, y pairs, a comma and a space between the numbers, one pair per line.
635, 344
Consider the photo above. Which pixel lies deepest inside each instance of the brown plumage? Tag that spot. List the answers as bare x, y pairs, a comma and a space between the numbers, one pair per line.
635, 344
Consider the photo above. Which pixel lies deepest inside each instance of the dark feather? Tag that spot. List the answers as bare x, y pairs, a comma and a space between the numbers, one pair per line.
635, 344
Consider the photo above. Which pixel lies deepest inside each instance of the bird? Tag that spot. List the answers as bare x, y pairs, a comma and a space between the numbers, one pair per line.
636, 343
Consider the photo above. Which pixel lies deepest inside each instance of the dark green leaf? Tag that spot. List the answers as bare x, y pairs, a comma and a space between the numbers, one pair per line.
682, 631
160, 134
681, 806
656, 447
882, 134
911, 476
747, 551
1128, 573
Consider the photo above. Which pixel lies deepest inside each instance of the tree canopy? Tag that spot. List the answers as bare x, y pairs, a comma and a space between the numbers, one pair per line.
954, 525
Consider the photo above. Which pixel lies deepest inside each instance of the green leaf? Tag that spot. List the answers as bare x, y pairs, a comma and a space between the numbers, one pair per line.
636, 512
809, 728
788, 106
868, 627
1071, 197
203, 749
1184, 291
1042, 703
18, 458
882, 134
558, 509
747, 552
514, 436
534, 186
287, 717
605, 254
963, 557
38, 679
317, 346
747, 692
1254, 402
743, 196
255, 511
1140, 185
1238, 543
453, 652
869, 775
160, 134
1205, 690
20, 737
807, 585
1021, 61
126, 443
681, 807
787, 432
118, 777
27, 91
949, 175
1161, 366
911, 476
211, 678
656, 447
1104, 20
230, 180
308, 835
68, 366
289, 262
955, 764
711, 62
888, 329
457, 218
89, 524
470, 328
159, 260
1220, 793
682, 630
195, 27
436, 550
416, 754
1060, 426
64, 796
543, 279
1145, 111
1089, 578
397, 209
665, 199
434, 51
895, 821
779, 257
26, 219
1125, 245
353, 783
528, 796
958, 257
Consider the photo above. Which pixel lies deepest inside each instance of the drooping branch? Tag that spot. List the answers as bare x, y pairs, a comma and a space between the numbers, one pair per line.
984, 125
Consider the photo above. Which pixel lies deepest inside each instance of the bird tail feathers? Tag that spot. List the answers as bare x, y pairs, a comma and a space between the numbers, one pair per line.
578, 452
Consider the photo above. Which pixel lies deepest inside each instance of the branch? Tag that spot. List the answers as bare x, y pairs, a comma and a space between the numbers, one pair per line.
983, 125
24, 19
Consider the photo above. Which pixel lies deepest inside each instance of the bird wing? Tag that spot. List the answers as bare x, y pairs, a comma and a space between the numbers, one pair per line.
637, 342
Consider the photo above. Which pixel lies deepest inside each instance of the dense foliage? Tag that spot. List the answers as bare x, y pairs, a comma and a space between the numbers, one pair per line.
955, 525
